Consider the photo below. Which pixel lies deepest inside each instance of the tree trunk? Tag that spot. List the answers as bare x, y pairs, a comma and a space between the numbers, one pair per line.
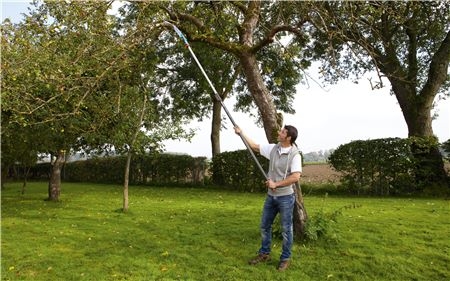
54, 185
125, 184
261, 95
25, 177
130, 151
300, 214
216, 124
416, 110
4, 175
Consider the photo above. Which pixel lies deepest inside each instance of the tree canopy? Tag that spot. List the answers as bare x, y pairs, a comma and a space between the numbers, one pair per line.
391, 39
73, 79
245, 32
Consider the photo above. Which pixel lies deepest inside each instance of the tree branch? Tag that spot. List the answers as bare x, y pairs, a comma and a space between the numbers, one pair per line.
437, 73
412, 56
177, 17
194, 20
251, 17
229, 86
269, 37
239, 5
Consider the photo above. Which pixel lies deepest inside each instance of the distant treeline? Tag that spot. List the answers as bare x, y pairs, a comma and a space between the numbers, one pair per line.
317, 156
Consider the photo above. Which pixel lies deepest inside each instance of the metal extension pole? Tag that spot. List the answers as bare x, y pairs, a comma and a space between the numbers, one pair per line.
181, 35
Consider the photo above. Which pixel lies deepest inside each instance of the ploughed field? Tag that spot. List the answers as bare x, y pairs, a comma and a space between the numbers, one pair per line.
324, 173
319, 173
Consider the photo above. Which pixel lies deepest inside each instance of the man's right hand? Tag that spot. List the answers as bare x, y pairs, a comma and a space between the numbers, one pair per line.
253, 145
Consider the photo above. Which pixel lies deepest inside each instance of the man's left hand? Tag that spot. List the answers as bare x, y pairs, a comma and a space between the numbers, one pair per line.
271, 184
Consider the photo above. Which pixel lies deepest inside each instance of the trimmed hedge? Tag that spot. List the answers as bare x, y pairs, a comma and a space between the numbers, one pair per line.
155, 169
381, 166
237, 170
96, 170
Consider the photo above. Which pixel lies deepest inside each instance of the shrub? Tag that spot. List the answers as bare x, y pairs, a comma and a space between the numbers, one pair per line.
428, 170
320, 225
446, 149
383, 166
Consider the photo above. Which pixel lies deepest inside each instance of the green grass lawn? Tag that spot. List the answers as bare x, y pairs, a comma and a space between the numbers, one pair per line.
210, 234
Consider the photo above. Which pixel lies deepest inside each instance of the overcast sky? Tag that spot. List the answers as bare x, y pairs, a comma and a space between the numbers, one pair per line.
325, 118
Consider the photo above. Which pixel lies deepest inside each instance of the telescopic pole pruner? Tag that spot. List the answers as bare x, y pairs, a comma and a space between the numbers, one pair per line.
181, 35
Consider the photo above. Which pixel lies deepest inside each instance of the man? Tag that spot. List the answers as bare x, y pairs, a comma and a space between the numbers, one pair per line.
285, 169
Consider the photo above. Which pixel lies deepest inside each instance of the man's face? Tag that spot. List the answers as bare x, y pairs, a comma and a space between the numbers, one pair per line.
282, 135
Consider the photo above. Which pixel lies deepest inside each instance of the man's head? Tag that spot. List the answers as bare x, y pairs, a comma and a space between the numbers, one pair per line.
291, 132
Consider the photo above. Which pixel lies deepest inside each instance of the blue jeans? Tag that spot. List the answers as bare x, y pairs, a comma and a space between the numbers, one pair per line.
272, 206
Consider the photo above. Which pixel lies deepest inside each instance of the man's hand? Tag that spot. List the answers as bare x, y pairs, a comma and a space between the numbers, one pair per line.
237, 130
271, 184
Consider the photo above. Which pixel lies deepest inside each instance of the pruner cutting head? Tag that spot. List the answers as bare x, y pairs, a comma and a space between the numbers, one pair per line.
165, 24
178, 31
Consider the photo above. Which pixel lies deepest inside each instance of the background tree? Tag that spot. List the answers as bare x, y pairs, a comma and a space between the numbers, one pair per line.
244, 31
180, 76
145, 122
70, 62
17, 152
352, 38
31, 97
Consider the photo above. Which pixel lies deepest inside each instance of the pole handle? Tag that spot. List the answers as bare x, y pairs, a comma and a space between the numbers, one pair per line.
181, 35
